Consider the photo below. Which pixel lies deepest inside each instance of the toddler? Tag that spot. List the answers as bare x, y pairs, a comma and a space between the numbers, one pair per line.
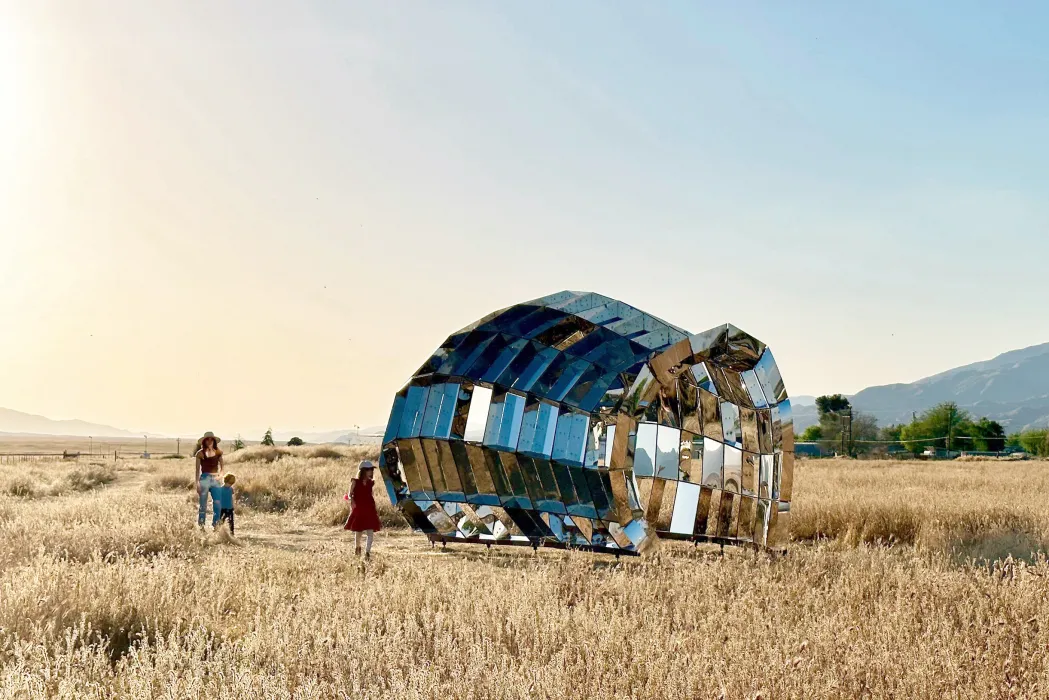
224, 506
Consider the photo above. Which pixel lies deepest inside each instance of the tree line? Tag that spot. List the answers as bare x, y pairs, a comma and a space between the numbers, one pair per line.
942, 427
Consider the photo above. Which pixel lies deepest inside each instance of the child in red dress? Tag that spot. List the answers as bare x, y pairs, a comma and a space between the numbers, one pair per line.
364, 519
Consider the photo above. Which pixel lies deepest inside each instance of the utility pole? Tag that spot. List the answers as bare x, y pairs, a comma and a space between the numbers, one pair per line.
852, 446
178, 446
950, 429
91, 449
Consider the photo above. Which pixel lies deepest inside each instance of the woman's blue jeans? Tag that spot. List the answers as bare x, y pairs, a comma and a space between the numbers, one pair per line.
209, 485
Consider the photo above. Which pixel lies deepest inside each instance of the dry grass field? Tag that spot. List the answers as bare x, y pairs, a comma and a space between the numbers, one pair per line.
905, 580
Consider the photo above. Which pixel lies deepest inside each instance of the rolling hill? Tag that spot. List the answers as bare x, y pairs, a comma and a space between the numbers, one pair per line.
1012, 388
19, 423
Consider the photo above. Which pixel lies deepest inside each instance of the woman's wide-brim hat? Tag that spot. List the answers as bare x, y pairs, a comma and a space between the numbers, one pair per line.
207, 435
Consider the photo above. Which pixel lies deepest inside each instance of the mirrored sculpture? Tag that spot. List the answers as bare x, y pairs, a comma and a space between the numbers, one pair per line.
577, 421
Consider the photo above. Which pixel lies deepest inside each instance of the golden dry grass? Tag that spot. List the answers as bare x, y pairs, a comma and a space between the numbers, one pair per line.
112, 592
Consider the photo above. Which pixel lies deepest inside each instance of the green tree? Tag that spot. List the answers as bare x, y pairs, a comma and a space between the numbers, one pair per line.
813, 433
295, 442
890, 433
832, 403
932, 428
238, 444
890, 437
267, 439
1035, 442
834, 410
864, 432
988, 435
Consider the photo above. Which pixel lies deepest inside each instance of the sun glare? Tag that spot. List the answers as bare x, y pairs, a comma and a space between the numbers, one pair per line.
12, 91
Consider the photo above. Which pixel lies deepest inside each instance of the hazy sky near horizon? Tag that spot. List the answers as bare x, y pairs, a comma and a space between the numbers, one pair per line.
239, 214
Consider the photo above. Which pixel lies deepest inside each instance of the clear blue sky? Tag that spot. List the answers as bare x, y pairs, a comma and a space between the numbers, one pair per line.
340, 185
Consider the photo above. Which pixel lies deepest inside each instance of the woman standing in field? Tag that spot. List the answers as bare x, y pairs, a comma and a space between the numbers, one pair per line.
209, 467
364, 519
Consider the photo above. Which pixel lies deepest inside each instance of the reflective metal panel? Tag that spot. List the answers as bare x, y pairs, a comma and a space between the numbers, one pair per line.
585, 504
668, 442
506, 356
431, 461
701, 377
779, 527
786, 488
537, 491
564, 485
714, 514
466, 473
440, 408
688, 404
644, 493
608, 442
666, 509
769, 378
713, 463
461, 411
765, 431
504, 421
600, 489
686, 505
731, 424
746, 518
685, 460
484, 482
786, 417
586, 528
452, 480
642, 393
775, 476
570, 440
749, 477
396, 412
645, 450
748, 420
525, 495
702, 512
768, 463
750, 381
729, 517
711, 408
777, 430
499, 476
733, 469
537, 429
413, 464
477, 417
761, 521
411, 417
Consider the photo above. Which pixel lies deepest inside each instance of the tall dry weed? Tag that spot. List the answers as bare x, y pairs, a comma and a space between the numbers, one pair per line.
99, 600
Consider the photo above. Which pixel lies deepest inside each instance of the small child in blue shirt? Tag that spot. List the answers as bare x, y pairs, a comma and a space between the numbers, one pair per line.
224, 506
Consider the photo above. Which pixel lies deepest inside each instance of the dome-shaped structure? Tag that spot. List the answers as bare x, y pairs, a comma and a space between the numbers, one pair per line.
576, 420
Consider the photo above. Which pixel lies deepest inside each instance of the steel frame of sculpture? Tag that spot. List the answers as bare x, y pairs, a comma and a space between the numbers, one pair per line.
578, 421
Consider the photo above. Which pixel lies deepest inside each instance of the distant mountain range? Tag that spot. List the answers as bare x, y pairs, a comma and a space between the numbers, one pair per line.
18, 423
1012, 388
28, 424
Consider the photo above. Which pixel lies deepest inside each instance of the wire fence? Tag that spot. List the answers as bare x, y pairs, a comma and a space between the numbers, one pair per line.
944, 446
31, 457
